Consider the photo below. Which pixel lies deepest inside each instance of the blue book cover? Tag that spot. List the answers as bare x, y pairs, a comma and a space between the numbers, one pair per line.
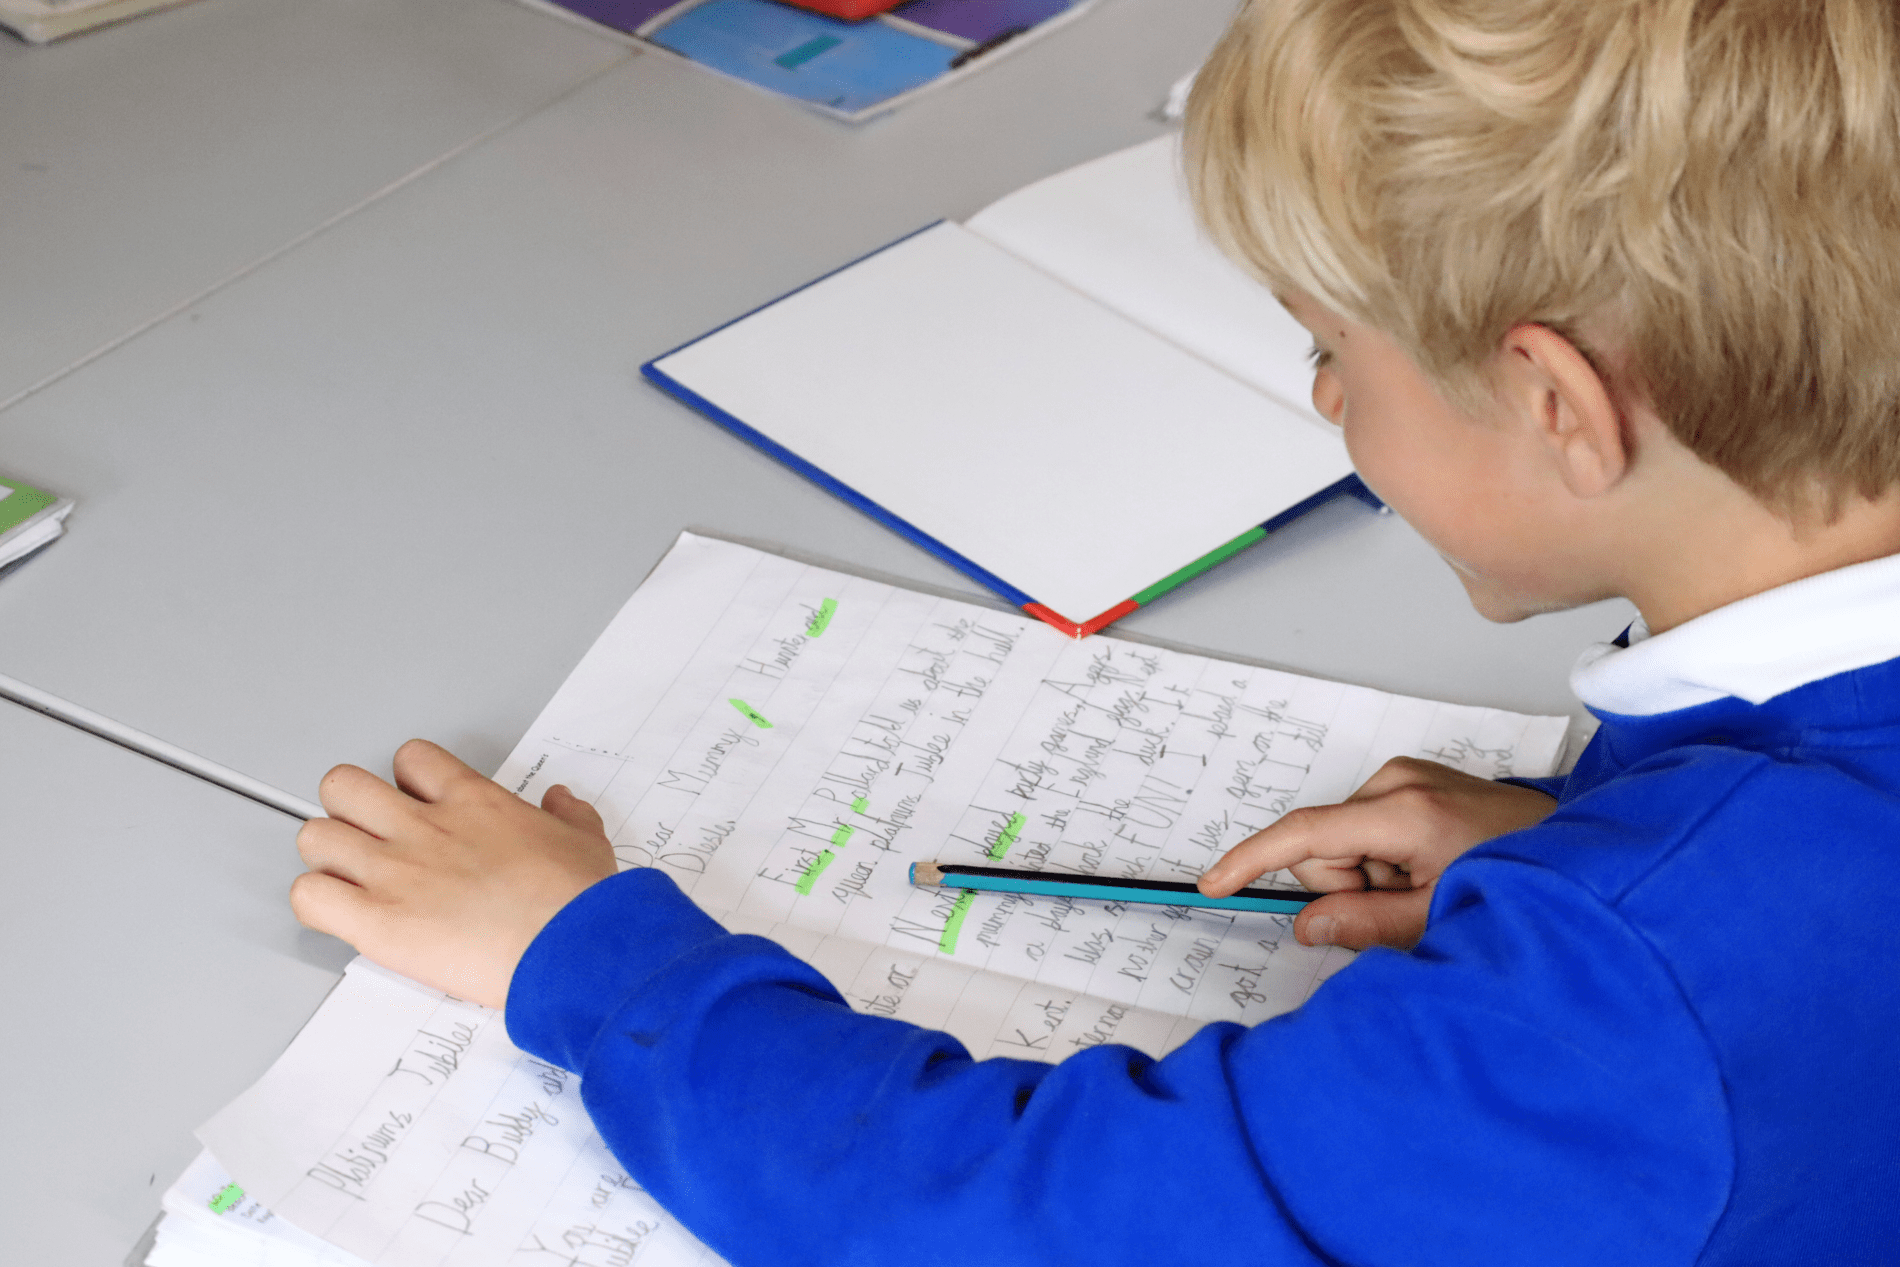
847, 66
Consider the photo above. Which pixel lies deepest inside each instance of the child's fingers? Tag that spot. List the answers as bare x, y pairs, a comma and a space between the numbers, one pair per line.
1351, 829
1404, 772
1368, 918
1327, 875
338, 849
355, 796
1346, 875
572, 810
1383, 875
430, 772
328, 905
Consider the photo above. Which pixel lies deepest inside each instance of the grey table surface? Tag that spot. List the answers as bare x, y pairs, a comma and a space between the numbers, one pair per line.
393, 480
146, 164
150, 974
329, 313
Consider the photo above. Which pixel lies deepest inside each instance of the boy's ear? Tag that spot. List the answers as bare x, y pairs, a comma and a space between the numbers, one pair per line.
1550, 387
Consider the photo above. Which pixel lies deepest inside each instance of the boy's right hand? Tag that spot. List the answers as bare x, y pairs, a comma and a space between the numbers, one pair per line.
1379, 853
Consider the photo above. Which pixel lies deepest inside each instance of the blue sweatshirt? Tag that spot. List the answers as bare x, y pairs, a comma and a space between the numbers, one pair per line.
1660, 1027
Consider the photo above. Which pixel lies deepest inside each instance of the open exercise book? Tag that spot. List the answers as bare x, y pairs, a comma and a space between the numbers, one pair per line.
1073, 398
785, 740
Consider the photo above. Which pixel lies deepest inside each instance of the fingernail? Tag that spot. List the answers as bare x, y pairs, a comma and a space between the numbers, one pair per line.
1321, 930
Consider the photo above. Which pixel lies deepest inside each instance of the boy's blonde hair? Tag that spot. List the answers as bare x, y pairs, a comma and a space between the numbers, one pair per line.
1716, 182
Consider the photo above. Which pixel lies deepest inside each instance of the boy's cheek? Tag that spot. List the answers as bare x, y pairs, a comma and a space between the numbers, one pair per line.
1369, 464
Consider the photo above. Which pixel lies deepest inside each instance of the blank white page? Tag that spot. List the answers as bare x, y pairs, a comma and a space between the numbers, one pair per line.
1121, 229
1042, 436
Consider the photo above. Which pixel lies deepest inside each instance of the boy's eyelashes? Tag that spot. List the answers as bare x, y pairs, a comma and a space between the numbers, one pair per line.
1318, 357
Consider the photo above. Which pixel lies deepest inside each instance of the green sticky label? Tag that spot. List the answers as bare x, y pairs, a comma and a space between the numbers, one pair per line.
751, 714
822, 621
816, 869
227, 1197
948, 942
861, 804
842, 835
1007, 837
805, 52
20, 502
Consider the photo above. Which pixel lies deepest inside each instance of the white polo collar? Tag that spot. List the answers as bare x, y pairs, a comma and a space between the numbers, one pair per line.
1755, 649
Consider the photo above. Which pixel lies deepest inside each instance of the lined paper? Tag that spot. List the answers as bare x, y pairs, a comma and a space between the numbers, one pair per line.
785, 740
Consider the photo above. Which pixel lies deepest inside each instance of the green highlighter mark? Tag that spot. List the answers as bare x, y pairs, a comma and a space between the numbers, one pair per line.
816, 869
948, 942
861, 804
227, 1197
751, 714
822, 620
1007, 837
842, 835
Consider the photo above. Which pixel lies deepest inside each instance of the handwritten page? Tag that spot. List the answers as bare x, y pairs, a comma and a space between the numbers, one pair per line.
785, 741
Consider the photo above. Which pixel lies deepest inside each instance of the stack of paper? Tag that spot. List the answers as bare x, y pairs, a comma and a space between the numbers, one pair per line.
210, 1222
41, 21
785, 741
30, 520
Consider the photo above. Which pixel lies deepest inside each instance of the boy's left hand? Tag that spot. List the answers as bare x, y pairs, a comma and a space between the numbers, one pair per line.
1379, 853
447, 876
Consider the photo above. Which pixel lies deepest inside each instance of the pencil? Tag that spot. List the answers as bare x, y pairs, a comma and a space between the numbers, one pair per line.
1101, 888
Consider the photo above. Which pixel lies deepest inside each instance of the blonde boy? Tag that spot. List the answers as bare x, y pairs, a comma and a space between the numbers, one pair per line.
1605, 296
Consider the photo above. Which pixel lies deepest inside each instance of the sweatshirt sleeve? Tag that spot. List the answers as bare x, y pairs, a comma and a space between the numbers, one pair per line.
1550, 785
1525, 1087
